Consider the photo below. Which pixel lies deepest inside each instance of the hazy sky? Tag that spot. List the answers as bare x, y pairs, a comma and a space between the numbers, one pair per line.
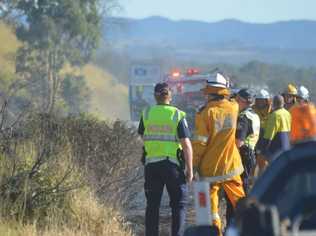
211, 10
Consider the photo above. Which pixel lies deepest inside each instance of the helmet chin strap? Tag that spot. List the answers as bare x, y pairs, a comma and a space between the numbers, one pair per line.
214, 97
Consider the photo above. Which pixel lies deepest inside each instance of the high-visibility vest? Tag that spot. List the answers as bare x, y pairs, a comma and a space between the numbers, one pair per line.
160, 136
303, 122
252, 139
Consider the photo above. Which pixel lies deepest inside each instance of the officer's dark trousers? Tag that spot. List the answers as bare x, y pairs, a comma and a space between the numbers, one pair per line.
249, 163
158, 175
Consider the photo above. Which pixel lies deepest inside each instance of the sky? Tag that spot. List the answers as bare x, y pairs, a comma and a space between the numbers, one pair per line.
257, 11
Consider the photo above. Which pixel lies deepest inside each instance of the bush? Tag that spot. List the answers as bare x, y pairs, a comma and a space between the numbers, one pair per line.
46, 162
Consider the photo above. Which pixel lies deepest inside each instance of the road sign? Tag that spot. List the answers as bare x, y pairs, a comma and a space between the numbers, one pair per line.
145, 74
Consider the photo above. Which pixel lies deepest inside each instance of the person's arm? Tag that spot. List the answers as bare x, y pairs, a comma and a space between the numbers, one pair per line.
141, 127
184, 134
242, 130
141, 131
188, 156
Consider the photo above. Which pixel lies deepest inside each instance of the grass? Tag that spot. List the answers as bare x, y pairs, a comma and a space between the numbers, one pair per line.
85, 215
89, 218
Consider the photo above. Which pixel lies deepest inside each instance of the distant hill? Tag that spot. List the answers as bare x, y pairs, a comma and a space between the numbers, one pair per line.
279, 40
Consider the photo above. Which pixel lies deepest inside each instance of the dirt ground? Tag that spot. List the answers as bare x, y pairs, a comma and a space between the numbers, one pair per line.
136, 217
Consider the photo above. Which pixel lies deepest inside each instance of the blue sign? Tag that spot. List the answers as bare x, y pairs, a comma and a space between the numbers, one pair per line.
140, 71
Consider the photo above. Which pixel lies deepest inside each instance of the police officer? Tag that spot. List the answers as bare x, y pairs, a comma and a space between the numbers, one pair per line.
167, 151
247, 134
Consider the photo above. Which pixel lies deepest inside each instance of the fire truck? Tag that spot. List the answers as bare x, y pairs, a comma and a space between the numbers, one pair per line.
186, 89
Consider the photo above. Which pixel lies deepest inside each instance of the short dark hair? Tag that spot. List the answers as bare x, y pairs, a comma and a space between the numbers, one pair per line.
246, 94
162, 89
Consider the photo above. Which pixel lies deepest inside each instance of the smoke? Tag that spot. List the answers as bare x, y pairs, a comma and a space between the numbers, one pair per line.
109, 99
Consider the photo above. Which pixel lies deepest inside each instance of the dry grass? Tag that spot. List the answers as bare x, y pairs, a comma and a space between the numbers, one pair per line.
89, 218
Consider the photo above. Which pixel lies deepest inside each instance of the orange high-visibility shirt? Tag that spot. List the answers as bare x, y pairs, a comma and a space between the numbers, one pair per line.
303, 122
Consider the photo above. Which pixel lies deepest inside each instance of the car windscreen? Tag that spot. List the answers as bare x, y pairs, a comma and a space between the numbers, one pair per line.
295, 183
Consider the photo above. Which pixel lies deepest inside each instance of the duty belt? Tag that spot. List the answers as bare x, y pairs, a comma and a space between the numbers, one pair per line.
157, 159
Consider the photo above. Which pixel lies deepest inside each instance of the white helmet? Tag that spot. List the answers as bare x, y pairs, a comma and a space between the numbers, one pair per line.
263, 94
218, 80
303, 92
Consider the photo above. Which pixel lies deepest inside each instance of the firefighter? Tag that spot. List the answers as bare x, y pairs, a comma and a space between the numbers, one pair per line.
289, 96
247, 134
277, 130
167, 151
216, 156
262, 107
303, 118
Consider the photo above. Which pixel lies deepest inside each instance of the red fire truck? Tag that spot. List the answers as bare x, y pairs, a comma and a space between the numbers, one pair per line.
186, 88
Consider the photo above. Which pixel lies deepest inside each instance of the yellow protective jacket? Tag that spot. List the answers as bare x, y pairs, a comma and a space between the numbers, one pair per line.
215, 154
263, 115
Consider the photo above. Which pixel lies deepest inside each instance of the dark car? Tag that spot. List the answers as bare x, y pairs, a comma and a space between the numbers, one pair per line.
288, 188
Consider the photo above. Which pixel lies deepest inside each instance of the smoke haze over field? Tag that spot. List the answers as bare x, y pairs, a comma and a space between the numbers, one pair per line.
109, 99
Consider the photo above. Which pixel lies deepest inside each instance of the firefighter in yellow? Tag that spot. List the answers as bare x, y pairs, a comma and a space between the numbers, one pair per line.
289, 96
262, 106
216, 156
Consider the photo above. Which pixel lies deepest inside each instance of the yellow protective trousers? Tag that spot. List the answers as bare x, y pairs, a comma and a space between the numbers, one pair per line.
234, 190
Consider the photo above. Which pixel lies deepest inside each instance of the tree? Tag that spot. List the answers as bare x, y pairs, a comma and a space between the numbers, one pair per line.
55, 33
75, 94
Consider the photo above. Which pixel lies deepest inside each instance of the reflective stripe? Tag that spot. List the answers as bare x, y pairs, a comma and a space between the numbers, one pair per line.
160, 137
200, 138
223, 177
157, 159
216, 216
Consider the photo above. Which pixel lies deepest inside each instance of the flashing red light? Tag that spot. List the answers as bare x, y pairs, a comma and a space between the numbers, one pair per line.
175, 74
192, 71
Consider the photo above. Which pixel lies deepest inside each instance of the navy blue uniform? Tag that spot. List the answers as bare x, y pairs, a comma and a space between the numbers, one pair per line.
158, 175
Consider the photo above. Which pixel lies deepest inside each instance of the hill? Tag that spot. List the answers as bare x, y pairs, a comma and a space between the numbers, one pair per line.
288, 42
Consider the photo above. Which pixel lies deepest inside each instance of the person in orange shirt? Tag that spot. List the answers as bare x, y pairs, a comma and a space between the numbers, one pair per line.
215, 154
303, 114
